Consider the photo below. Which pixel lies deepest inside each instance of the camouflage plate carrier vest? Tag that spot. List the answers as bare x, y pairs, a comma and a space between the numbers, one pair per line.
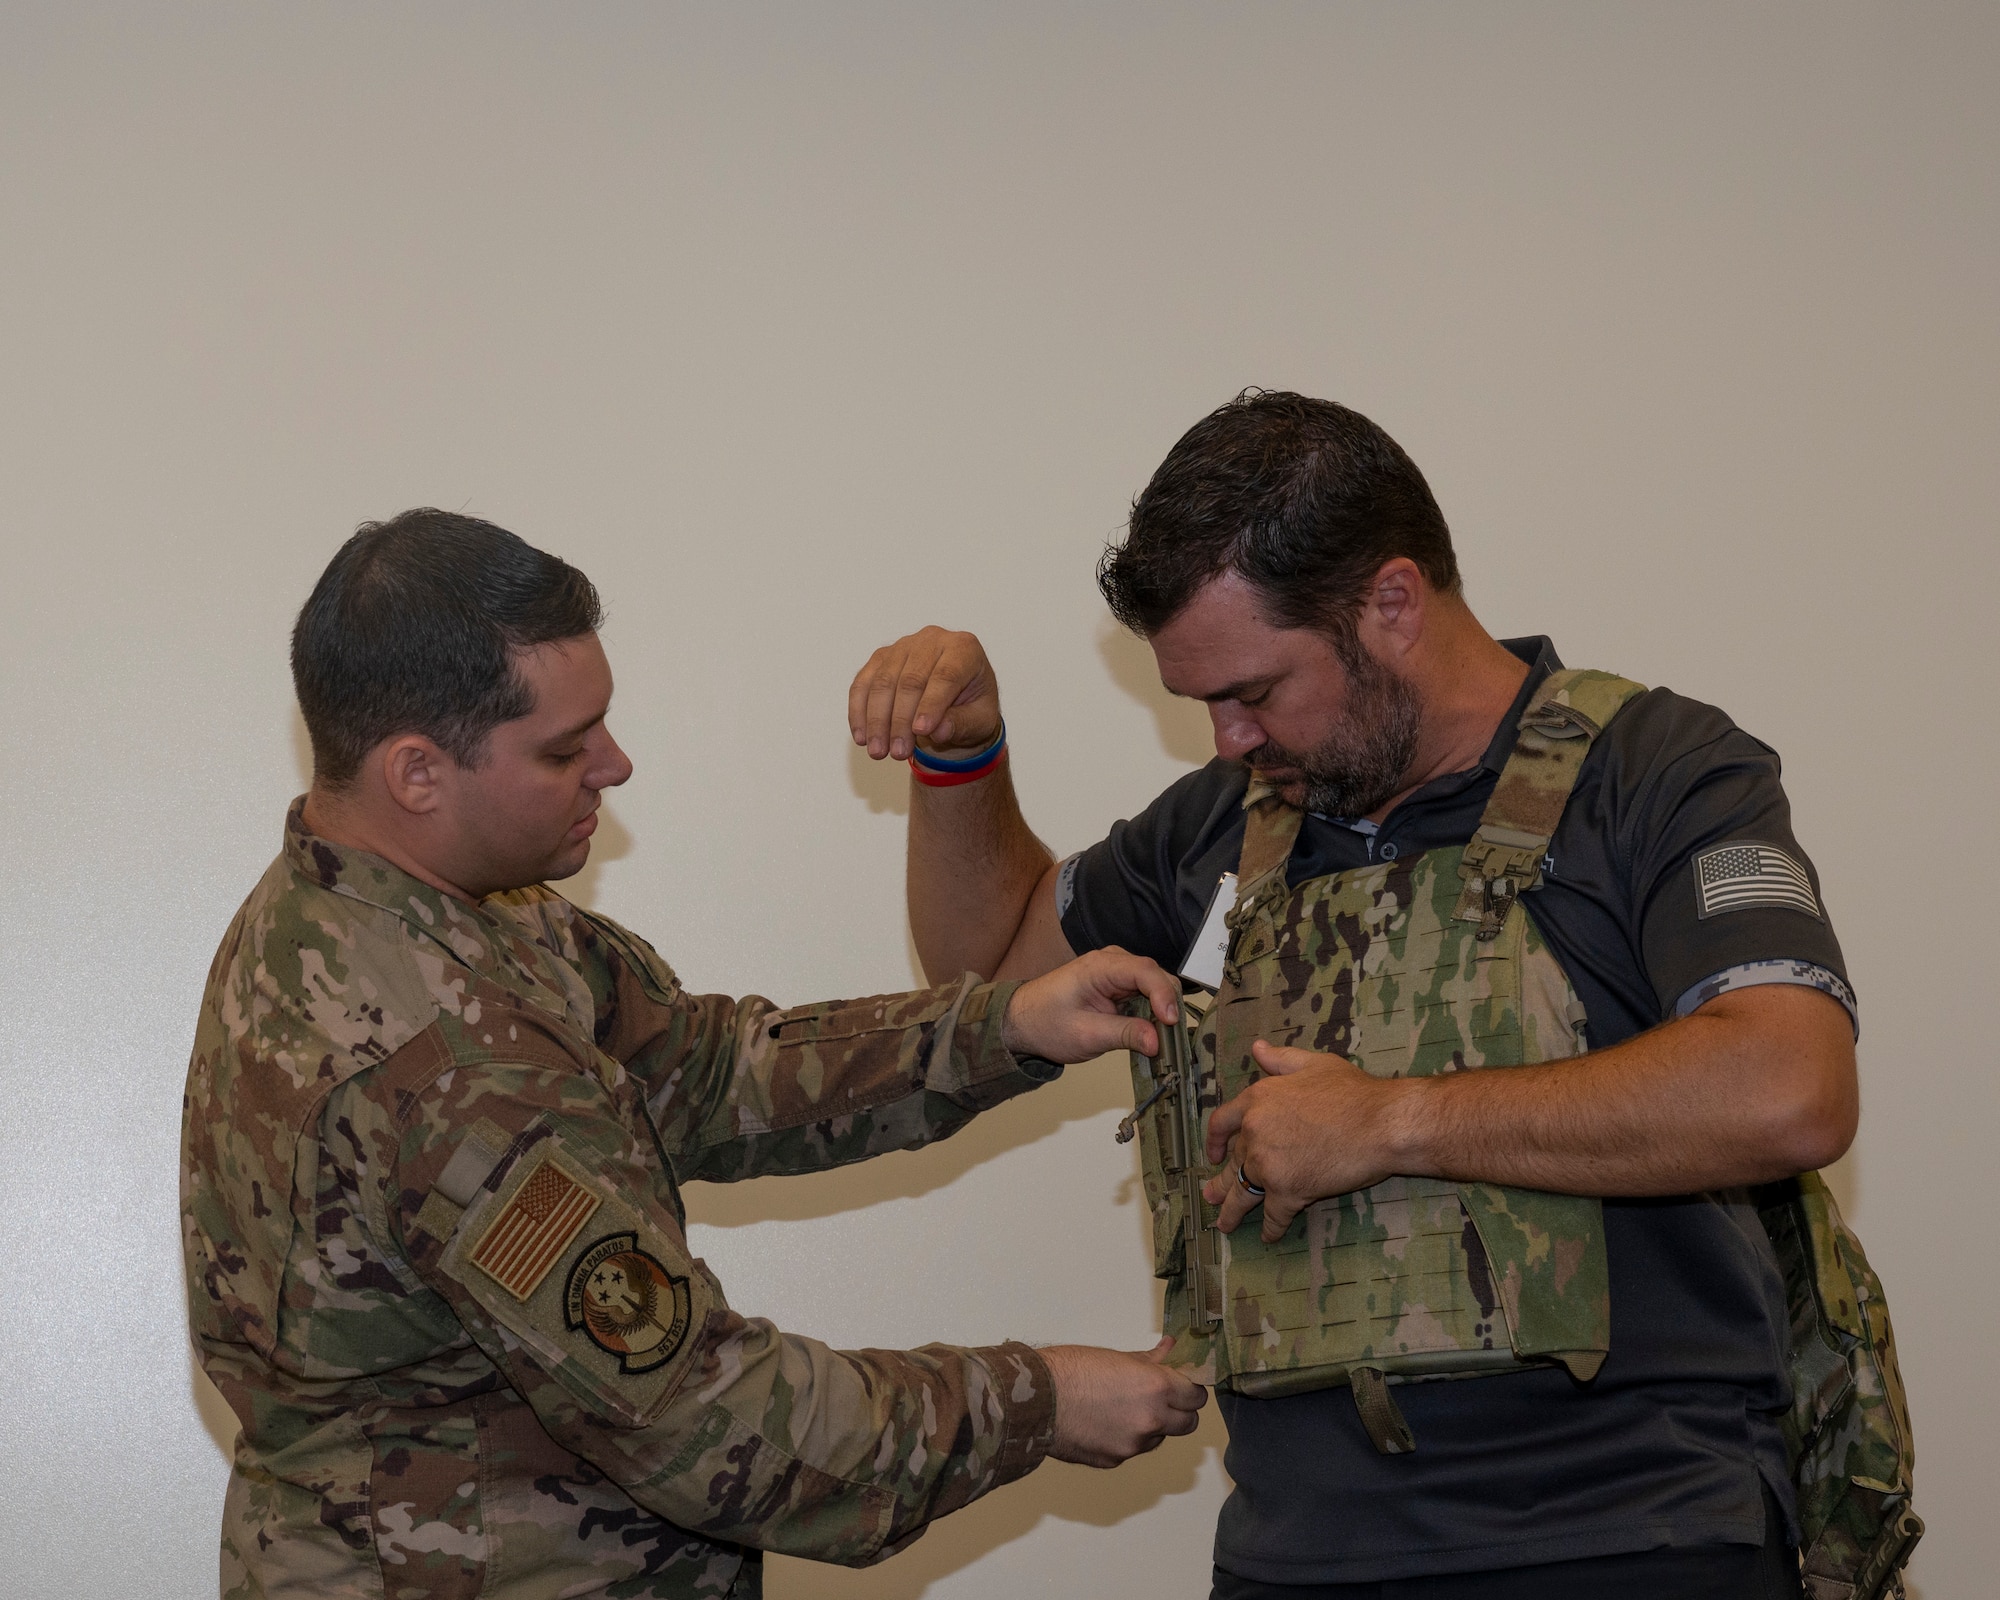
1427, 965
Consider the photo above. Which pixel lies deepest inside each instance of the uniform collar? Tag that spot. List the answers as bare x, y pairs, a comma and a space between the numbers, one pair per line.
490, 943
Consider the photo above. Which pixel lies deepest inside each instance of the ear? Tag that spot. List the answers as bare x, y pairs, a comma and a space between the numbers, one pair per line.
414, 771
1396, 606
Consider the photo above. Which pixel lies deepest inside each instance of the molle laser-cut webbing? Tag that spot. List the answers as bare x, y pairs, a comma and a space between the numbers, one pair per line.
1415, 1277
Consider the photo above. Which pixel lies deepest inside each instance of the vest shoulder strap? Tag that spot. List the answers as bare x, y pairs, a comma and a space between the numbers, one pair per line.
1270, 829
1561, 722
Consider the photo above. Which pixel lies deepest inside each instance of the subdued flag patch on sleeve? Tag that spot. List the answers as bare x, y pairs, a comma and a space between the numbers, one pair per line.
1746, 874
525, 1240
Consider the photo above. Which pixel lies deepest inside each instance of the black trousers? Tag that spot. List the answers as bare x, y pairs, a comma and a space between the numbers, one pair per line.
1694, 1572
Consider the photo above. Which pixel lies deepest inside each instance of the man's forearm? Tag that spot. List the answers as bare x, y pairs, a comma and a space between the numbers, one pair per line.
1711, 1101
1756, 1085
973, 868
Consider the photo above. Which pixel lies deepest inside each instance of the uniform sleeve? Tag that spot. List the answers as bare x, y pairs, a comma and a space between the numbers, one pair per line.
1723, 891
521, 1197
743, 1088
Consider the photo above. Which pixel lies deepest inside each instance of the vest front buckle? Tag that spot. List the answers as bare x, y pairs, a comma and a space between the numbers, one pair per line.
1499, 896
1487, 901
1497, 865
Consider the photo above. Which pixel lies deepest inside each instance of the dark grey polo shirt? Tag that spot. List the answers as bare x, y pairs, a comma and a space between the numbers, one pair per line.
1672, 876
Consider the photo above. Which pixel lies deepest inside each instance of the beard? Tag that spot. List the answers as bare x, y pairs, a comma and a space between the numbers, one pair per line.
1368, 754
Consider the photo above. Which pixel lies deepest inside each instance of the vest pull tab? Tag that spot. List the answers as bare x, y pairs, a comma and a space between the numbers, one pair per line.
1381, 1417
1498, 895
1129, 1126
1555, 719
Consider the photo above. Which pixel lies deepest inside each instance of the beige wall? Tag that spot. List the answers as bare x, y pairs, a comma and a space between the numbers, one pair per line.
796, 331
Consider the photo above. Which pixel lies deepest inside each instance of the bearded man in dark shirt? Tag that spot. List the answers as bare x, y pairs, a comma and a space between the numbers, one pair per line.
1291, 570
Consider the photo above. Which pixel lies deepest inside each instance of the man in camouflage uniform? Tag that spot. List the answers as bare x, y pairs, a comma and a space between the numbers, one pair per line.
435, 1124
1291, 570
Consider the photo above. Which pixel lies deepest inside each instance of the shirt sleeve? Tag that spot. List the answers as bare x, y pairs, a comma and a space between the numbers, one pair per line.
1757, 974
546, 1221
1145, 885
742, 1088
1723, 892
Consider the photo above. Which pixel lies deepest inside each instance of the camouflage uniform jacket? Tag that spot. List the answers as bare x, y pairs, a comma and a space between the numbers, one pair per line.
437, 1263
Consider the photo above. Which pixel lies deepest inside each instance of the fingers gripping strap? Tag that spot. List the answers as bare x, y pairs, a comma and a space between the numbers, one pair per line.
1505, 854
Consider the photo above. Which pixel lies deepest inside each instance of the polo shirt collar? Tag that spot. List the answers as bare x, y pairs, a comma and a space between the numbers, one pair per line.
1539, 655
1541, 658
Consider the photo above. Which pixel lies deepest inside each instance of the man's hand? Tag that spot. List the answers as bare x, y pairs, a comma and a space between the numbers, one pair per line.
981, 885
1312, 1126
1757, 1084
1111, 1406
932, 685
1071, 1014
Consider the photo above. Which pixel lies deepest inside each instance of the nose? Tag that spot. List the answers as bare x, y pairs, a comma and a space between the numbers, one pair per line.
612, 767
1236, 731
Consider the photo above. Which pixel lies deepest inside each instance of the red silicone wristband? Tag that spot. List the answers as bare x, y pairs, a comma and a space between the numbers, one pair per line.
951, 780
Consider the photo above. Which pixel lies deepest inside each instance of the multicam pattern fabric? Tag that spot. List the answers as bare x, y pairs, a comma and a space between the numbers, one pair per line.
1405, 1279
1853, 1455
1404, 970
384, 1081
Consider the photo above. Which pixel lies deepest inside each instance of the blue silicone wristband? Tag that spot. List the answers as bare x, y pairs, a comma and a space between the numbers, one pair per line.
931, 763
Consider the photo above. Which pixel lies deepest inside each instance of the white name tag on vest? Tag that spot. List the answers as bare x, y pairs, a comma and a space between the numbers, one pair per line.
1204, 958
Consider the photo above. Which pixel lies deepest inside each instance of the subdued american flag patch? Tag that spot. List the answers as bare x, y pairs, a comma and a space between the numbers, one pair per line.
526, 1239
1736, 877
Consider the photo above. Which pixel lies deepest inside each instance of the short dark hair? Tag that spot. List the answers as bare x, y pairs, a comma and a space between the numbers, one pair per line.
1303, 498
411, 629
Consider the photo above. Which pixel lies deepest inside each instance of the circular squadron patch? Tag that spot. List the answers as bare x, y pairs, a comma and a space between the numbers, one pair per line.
627, 1303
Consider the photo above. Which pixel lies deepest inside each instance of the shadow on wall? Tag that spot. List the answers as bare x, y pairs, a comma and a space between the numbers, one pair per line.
1185, 733
1183, 726
1087, 1090
612, 842
302, 749
216, 1417
1068, 1493
884, 786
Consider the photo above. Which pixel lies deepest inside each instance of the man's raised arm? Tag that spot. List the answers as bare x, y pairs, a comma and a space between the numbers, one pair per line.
982, 887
